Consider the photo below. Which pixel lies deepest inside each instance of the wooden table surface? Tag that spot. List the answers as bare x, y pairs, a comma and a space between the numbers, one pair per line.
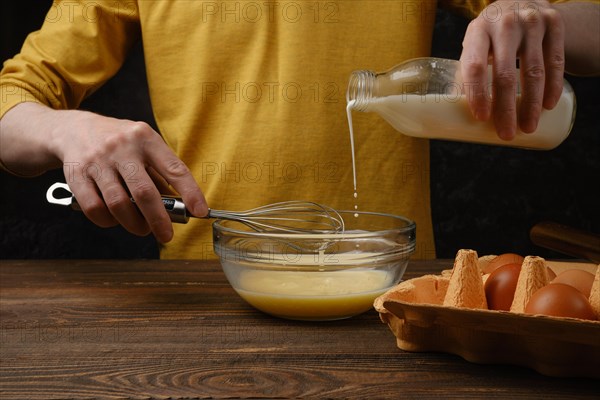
176, 329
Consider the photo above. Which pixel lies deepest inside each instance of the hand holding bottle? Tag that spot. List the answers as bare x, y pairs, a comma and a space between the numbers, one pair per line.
531, 31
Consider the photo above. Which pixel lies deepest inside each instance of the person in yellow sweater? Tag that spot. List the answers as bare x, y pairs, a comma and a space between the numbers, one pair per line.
249, 101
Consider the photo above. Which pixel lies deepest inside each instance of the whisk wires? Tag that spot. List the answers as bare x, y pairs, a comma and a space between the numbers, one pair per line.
287, 217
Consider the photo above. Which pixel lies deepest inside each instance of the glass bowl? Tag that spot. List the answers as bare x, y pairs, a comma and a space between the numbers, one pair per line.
316, 276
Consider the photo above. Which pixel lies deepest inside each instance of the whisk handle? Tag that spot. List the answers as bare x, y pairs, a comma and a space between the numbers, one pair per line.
173, 205
175, 208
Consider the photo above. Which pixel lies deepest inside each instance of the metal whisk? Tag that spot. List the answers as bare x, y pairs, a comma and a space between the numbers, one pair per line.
287, 217
284, 217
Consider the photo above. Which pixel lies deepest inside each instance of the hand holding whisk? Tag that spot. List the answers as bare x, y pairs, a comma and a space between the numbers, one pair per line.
284, 217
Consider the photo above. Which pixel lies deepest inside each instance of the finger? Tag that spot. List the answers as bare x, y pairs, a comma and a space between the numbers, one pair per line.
505, 84
161, 184
474, 70
119, 204
177, 174
149, 203
554, 59
91, 203
532, 80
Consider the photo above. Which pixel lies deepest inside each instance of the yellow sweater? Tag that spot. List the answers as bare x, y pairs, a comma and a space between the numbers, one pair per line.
250, 95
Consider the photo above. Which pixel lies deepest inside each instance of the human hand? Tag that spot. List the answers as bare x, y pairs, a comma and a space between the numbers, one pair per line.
531, 31
107, 161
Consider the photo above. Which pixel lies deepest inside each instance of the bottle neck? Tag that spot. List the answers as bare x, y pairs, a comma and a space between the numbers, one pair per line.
360, 89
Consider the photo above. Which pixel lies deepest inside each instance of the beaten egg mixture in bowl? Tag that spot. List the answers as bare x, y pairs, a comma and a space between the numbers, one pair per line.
320, 276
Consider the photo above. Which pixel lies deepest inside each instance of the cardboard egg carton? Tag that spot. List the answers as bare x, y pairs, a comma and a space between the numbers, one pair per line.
448, 313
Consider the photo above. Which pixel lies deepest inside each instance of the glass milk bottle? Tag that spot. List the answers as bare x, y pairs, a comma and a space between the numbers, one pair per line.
425, 98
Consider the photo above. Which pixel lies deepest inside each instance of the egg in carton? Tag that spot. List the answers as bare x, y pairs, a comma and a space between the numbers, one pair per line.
449, 313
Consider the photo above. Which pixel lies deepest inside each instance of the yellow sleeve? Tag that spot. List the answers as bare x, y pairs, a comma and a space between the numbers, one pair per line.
79, 47
472, 8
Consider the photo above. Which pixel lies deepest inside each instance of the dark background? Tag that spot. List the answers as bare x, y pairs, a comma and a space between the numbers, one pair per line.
484, 198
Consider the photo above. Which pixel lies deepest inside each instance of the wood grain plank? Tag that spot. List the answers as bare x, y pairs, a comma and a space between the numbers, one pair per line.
168, 329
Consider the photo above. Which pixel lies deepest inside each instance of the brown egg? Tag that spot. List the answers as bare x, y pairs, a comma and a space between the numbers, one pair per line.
500, 286
560, 300
503, 259
579, 279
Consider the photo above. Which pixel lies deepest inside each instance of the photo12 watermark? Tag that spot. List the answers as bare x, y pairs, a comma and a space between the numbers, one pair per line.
94, 172
255, 12
270, 92
517, 11
23, 332
269, 172
90, 11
